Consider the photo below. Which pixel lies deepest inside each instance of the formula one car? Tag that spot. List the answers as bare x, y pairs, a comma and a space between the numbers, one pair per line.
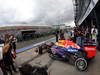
68, 50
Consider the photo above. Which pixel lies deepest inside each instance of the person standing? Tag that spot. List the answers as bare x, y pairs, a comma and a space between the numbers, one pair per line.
79, 38
14, 41
62, 35
1, 73
56, 34
1, 40
8, 61
72, 35
94, 33
2, 52
40, 50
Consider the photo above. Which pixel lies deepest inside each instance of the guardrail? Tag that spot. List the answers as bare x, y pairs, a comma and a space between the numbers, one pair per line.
34, 45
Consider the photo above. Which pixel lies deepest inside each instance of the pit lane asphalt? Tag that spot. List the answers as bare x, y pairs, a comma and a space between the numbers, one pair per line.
57, 67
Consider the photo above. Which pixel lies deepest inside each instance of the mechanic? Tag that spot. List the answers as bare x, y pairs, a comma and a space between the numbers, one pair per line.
79, 38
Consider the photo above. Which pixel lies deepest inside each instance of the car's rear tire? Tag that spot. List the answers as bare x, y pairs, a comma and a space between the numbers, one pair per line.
81, 64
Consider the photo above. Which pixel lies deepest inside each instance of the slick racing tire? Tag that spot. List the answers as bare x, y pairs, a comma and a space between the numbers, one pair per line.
81, 64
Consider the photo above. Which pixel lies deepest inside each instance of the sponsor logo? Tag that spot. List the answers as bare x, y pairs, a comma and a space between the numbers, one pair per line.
90, 48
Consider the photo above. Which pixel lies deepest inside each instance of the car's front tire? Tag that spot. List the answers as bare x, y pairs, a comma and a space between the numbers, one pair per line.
81, 64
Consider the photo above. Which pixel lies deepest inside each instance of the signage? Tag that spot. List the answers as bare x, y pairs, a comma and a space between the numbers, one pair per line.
89, 9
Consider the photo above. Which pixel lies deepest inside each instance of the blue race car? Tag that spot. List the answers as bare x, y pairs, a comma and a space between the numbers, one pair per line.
70, 52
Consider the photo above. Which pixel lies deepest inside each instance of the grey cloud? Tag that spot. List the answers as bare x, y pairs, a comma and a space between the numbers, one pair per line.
47, 12
54, 12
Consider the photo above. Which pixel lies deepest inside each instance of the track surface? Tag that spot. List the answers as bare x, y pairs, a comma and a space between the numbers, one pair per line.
57, 67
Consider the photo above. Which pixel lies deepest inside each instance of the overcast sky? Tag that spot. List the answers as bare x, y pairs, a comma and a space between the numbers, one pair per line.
36, 12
